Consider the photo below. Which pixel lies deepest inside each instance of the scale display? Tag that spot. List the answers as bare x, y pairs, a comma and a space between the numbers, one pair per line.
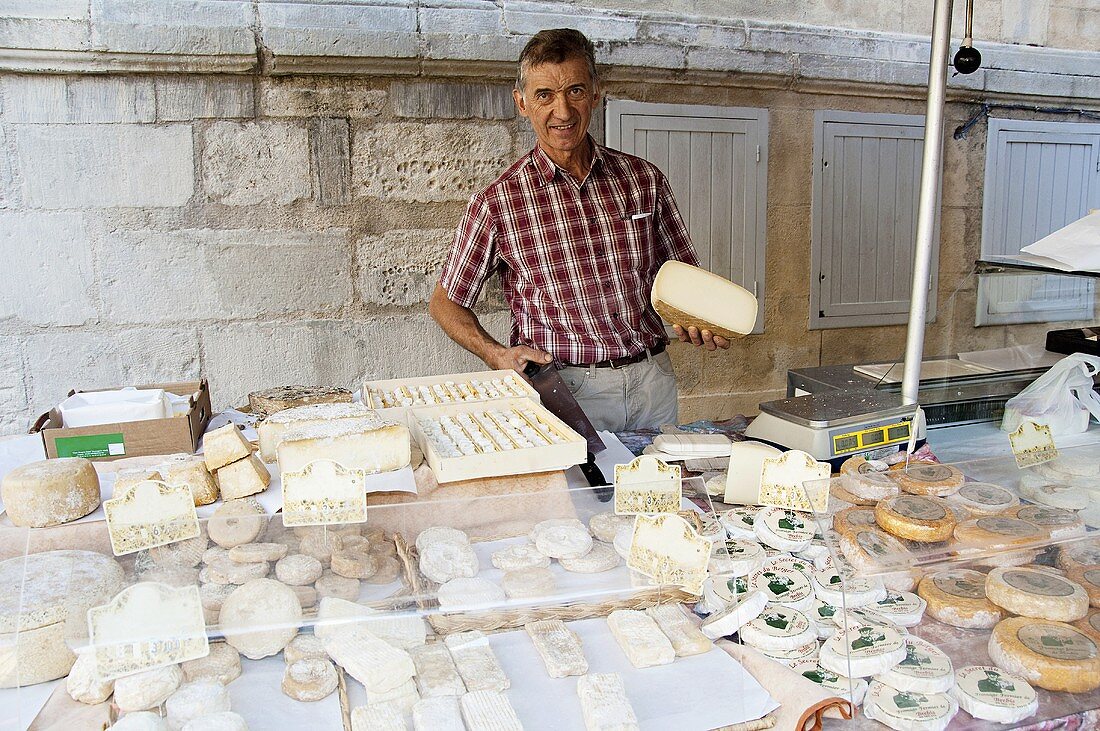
850, 442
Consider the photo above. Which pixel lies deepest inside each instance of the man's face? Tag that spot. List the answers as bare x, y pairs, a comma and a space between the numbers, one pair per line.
558, 98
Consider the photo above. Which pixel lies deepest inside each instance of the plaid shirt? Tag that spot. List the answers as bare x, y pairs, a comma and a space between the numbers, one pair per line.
576, 260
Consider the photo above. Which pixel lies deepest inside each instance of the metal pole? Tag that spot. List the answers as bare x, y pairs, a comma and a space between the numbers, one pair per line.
931, 171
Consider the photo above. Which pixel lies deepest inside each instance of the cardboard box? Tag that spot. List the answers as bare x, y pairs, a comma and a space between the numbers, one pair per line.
405, 414
106, 442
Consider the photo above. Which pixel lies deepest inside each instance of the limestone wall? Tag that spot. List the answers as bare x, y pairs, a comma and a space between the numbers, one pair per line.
262, 193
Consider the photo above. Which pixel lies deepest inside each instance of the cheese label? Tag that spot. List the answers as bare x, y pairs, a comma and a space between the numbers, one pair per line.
792, 562
1037, 582
741, 517
866, 641
668, 550
876, 545
647, 486
787, 657
1092, 576
985, 494
822, 611
1032, 444
901, 603
797, 481
780, 621
1057, 641
916, 508
930, 473
148, 514
923, 660
811, 670
788, 524
905, 707
147, 625
830, 579
1047, 516
994, 686
783, 585
1008, 527
730, 591
963, 584
323, 493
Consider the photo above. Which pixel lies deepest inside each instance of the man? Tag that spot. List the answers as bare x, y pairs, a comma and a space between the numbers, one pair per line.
577, 233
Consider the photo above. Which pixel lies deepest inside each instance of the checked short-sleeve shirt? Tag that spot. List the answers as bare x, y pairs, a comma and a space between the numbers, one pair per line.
576, 260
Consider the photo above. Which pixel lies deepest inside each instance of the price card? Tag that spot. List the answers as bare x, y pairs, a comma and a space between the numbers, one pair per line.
149, 514
1032, 444
796, 481
324, 492
147, 625
647, 485
668, 550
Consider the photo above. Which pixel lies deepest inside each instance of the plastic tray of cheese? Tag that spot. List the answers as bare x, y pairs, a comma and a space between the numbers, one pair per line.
398, 398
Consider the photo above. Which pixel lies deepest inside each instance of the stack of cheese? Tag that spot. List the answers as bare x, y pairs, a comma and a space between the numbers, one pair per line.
354, 439
176, 469
229, 457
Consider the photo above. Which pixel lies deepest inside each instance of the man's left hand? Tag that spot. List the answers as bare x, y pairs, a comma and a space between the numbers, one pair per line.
706, 338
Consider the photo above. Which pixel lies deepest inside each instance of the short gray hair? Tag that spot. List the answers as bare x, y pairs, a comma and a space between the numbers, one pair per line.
556, 45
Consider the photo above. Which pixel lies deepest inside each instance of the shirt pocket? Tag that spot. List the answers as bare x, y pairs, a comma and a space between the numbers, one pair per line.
633, 238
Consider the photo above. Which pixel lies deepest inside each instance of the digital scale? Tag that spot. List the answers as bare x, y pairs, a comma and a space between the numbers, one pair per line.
836, 425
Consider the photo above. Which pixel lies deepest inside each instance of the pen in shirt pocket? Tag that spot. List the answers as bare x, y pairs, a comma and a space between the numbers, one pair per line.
638, 216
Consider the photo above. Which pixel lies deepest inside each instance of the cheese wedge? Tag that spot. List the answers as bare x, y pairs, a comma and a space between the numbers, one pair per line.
743, 474
689, 296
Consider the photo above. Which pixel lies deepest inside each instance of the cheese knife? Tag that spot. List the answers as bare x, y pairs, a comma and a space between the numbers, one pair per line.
559, 401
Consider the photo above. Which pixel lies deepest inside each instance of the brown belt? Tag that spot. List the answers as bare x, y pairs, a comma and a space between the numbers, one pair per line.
625, 360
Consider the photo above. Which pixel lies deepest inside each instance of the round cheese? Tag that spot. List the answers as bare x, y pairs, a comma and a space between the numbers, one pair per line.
783, 585
790, 657
855, 518
838, 492
1078, 554
957, 597
791, 562
1056, 496
917, 518
260, 617
720, 592
50, 492
1036, 593
821, 617
992, 694
35, 655
863, 651
1090, 625
784, 530
815, 551
1052, 655
739, 522
925, 669
984, 498
928, 478
864, 617
736, 557
901, 607
996, 533
778, 628
1088, 578
1058, 522
729, 620
56, 586
867, 479
1070, 465
854, 689
871, 548
906, 711
833, 589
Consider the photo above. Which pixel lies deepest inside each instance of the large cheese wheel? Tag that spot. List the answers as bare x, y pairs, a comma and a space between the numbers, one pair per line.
1058, 522
1079, 553
995, 533
273, 400
984, 498
1090, 625
50, 492
957, 597
1051, 655
1088, 577
915, 517
688, 296
1033, 592
929, 478
854, 518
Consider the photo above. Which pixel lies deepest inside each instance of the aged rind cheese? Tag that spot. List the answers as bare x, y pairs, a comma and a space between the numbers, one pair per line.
784, 585
530, 583
147, 689
304, 647
905, 711
830, 587
377, 717
84, 682
438, 713
957, 597
332, 585
1031, 592
742, 482
1052, 655
354, 562
938, 480
336, 616
872, 548
437, 534
778, 628
195, 699
685, 636
601, 558
990, 693
50, 492
236, 522
436, 674
925, 669
854, 518
690, 296
441, 561
489, 710
270, 431
1066, 497
1079, 553
1088, 578
868, 479
223, 664
256, 552
242, 478
604, 704
223, 446
469, 594
984, 498
562, 539
863, 651
476, 662
367, 443
522, 556
854, 689
1090, 625
379, 666
640, 638
1058, 522
273, 400
130, 477
784, 530
560, 647
903, 608
916, 518
190, 470
298, 570
260, 617
604, 526
997, 533
309, 680
839, 492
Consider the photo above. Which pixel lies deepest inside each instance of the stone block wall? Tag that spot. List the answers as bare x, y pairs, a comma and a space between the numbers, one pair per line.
262, 193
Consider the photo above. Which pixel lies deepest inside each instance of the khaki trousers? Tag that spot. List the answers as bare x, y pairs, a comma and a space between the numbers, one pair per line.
641, 395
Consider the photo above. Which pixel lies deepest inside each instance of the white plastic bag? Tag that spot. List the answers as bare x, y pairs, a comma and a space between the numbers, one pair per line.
1062, 398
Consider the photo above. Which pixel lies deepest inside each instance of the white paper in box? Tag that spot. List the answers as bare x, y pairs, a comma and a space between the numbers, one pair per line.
403, 414
92, 408
572, 450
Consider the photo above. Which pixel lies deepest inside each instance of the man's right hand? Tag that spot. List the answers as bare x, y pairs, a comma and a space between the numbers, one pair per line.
517, 358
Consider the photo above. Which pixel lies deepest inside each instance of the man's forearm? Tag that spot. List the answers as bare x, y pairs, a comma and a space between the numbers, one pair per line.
461, 325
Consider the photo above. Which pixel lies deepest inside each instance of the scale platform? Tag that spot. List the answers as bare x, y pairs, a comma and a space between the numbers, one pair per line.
835, 425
